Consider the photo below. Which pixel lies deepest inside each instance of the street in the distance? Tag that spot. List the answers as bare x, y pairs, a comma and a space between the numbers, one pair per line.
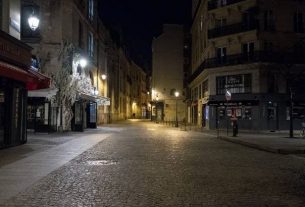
149, 164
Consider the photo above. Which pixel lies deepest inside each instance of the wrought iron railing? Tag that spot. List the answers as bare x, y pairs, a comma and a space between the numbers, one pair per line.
232, 29
214, 4
256, 56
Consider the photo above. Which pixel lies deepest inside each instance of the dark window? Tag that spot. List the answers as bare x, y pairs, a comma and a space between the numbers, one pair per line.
268, 46
90, 44
298, 22
248, 50
1, 13
269, 24
91, 9
80, 34
221, 55
234, 83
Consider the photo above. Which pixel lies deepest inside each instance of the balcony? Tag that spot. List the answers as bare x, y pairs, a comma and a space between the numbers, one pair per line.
214, 4
232, 29
257, 56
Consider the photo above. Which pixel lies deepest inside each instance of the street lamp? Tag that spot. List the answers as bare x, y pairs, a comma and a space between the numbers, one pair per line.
33, 22
176, 95
83, 62
104, 77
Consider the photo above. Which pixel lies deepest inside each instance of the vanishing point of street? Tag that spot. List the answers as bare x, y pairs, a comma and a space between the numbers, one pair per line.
148, 164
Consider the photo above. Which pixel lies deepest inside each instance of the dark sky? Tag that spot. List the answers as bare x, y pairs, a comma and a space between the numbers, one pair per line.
139, 20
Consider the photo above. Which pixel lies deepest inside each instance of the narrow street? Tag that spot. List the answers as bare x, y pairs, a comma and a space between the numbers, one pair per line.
146, 164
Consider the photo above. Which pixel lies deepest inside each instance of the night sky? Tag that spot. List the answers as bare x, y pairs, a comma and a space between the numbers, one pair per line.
138, 21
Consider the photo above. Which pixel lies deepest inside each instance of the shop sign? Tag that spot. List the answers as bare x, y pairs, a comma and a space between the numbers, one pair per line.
13, 51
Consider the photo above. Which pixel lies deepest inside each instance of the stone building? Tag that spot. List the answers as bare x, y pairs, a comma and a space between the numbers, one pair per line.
70, 45
16, 76
139, 96
167, 74
253, 50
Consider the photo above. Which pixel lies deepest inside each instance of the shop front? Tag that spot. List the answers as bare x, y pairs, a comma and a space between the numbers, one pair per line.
15, 75
246, 113
85, 112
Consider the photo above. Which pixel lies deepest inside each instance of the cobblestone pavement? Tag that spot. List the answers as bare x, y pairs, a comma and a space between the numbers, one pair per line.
150, 165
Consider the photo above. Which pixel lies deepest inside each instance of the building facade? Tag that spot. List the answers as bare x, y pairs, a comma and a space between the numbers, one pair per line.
253, 51
16, 76
70, 45
167, 75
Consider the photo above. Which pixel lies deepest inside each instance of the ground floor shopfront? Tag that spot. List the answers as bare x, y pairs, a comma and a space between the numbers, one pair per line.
13, 96
252, 112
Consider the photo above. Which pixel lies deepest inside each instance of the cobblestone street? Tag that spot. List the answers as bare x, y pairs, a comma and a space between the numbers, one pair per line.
146, 164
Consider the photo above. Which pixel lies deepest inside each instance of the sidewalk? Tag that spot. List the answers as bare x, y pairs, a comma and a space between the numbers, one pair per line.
22, 166
275, 142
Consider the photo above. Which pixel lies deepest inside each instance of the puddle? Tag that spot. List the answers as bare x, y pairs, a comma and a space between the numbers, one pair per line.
101, 162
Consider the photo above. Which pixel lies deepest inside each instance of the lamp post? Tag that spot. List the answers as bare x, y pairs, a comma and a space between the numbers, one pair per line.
176, 95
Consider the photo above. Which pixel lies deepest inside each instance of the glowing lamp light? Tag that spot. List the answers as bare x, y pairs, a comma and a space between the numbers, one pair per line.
104, 77
83, 62
177, 94
33, 22
96, 92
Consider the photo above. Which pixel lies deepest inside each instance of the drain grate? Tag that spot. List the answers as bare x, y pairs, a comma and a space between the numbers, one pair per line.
101, 162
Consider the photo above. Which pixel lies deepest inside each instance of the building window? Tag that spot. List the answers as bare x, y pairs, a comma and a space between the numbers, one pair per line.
1, 13
248, 50
221, 22
234, 83
91, 9
298, 22
268, 46
269, 23
221, 54
205, 88
90, 44
80, 34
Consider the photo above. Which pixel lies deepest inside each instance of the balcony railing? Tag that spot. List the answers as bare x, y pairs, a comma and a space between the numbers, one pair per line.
231, 29
257, 56
214, 4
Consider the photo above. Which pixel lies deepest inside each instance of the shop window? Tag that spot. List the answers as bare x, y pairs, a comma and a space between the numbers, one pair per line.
248, 113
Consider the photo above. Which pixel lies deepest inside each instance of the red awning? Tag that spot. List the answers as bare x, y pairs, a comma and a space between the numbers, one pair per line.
33, 79
41, 81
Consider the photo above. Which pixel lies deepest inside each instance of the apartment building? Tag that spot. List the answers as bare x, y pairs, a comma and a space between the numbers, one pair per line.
247, 63
167, 74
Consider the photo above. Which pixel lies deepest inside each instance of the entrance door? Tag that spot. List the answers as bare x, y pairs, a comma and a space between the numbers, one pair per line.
2, 116
91, 115
77, 121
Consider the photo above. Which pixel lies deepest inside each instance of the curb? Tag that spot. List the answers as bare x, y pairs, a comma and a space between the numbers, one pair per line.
264, 148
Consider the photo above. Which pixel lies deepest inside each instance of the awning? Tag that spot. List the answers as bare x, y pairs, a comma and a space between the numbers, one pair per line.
46, 93
33, 79
41, 81
100, 100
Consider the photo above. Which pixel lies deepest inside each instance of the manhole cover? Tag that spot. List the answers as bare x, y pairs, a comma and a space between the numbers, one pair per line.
102, 162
